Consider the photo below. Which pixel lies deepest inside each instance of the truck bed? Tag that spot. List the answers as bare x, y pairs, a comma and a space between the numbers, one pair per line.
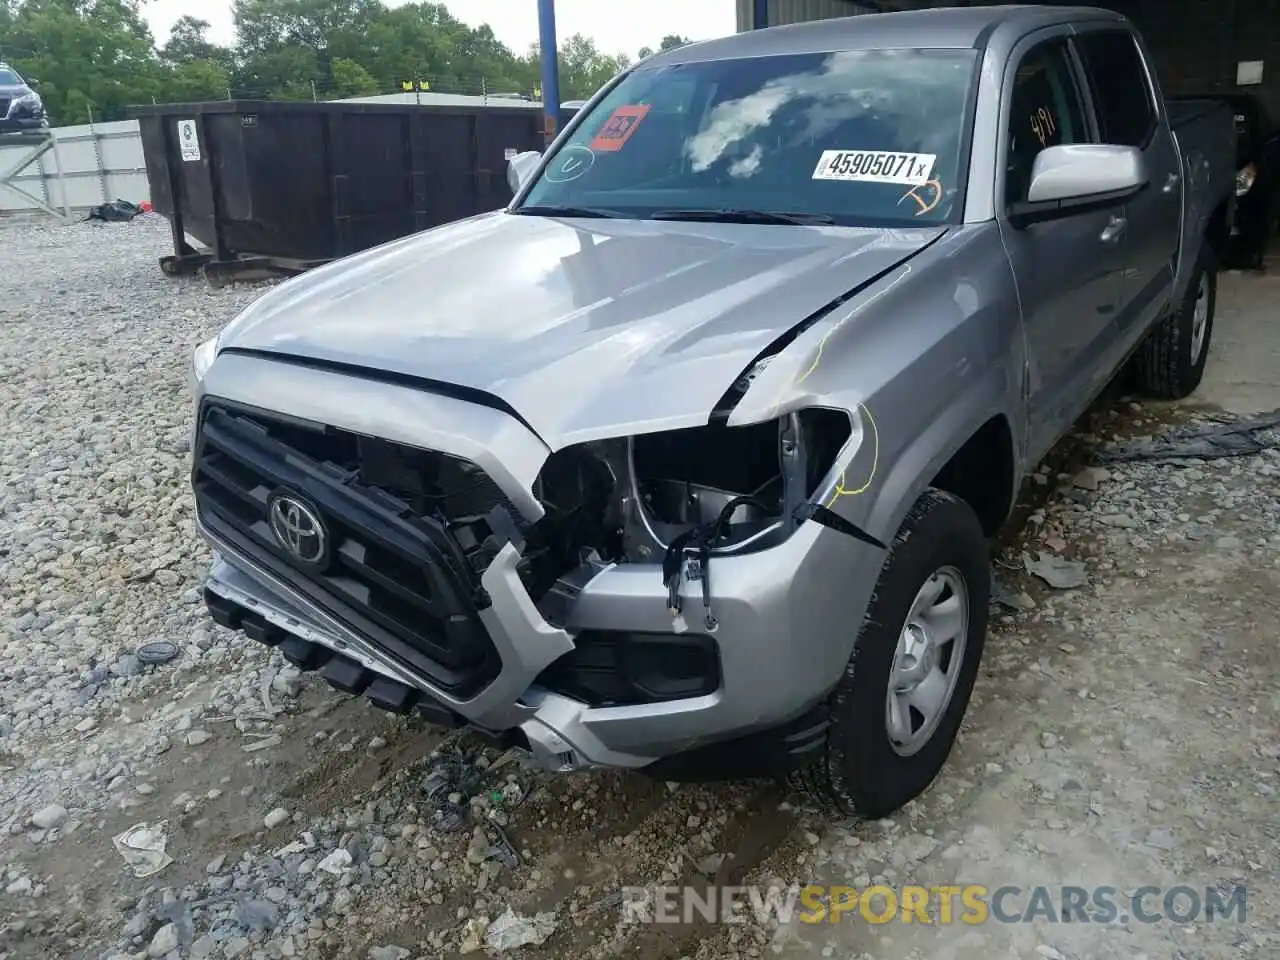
1205, 131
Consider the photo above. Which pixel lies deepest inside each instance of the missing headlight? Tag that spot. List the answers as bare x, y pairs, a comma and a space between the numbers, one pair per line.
718, 488
686, 478
701, 491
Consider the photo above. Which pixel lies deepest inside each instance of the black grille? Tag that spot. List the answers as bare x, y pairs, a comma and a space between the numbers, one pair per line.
397, 574
4, 107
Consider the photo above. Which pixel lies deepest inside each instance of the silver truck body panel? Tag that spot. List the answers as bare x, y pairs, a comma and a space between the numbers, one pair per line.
588, 328
562, 331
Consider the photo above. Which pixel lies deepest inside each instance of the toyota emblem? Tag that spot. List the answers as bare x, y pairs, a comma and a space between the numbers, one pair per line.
298, 528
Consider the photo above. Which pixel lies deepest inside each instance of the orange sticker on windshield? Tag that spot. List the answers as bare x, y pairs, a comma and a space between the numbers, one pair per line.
617, 130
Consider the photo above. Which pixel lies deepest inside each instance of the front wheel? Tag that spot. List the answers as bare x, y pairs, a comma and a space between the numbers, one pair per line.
1170, 362
896, 710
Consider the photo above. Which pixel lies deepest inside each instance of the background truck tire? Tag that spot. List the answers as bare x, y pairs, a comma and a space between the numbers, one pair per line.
861, 771
1170, 362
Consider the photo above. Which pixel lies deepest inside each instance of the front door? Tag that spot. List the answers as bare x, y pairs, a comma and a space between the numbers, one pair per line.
1067, 270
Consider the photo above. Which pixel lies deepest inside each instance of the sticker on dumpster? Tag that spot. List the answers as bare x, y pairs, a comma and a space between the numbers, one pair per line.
187, 140
618, 129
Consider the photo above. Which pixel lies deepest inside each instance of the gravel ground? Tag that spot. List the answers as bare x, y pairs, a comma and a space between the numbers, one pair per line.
1123, 732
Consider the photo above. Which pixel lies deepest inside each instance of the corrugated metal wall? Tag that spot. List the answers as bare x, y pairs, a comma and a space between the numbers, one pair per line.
798, 11
1196, 44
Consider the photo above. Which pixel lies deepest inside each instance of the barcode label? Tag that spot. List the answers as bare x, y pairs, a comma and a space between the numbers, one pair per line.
875, 166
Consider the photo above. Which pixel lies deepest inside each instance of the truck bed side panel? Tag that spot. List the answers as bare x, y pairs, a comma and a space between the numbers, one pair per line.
1205, 133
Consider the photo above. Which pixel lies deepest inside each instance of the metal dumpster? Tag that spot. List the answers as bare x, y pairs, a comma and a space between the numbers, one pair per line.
271, 187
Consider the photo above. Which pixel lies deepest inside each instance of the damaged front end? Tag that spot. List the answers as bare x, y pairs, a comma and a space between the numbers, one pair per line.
676, 500
441, 590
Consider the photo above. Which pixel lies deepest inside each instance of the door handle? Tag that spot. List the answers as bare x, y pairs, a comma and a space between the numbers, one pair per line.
1171, 182
1114, 230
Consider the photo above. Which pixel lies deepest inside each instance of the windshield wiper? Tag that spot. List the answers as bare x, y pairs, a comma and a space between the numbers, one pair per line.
555, 210
745, 216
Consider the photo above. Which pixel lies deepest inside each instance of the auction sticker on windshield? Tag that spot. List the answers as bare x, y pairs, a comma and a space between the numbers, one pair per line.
620, 126
875, 166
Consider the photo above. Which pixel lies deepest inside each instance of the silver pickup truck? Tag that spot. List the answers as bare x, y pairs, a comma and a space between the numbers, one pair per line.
687, 461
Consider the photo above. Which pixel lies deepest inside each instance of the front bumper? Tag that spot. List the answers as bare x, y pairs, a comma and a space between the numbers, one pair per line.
15, 124
786, 616
784, 638
14, 118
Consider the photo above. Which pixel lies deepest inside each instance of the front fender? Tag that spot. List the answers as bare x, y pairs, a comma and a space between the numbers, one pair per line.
920, 360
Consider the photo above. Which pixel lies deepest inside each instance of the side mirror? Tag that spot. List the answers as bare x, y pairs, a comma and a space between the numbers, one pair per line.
520, 168
33, 83
1072, 177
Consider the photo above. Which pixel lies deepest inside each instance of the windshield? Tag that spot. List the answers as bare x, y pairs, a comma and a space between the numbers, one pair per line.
9, 79
860, 137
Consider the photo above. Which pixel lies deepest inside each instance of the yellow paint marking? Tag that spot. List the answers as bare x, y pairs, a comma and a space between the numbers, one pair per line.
841, 490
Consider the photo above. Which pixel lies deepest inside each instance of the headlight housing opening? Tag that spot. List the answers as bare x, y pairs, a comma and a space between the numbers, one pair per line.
628, 500
761, 473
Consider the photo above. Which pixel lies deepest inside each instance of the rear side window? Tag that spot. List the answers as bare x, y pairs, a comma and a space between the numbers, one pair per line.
1122, 94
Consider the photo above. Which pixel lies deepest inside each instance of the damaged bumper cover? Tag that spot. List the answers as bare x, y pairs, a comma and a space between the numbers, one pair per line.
785, 612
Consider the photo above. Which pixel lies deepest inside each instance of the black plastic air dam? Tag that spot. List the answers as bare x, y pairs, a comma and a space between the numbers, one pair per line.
341, 673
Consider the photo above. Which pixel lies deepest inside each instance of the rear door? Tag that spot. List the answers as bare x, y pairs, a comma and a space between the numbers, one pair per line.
1067, 269
1131, 112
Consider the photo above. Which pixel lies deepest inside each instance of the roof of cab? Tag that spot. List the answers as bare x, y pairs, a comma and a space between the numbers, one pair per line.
941, 28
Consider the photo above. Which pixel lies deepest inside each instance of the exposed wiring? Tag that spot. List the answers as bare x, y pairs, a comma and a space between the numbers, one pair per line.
702, 539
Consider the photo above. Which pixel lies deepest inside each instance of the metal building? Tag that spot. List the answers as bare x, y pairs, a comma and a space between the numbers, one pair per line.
796, 11
1200, 46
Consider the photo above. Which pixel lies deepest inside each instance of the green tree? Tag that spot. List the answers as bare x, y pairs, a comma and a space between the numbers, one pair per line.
286, 72
196, 81
189, 40
97, 55
267, 25
584, 69
669, 42
352, 80
93, 57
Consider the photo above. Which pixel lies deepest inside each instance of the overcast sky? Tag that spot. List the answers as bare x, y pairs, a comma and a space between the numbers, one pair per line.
617, 26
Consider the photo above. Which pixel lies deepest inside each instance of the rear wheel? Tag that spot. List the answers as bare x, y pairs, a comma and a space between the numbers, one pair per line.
1170, 362
896, 710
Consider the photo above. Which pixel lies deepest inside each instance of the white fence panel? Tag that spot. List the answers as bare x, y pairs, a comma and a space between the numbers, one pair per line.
83, 166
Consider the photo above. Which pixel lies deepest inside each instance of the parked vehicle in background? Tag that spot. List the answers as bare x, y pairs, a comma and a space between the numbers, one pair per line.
20, 105
687, 461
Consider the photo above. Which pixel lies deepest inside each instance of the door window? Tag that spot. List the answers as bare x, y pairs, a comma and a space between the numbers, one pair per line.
1046, 111
1121, 91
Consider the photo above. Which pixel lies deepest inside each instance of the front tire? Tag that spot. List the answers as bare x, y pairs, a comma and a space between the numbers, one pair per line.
896, 710
1170, 363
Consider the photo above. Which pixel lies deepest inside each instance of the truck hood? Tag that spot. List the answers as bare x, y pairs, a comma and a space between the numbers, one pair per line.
585, 328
